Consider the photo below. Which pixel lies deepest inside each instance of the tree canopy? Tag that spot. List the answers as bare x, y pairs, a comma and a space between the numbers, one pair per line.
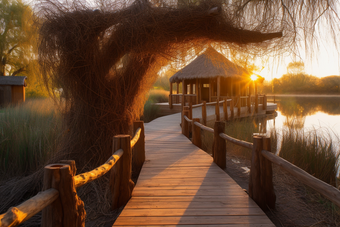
17, 38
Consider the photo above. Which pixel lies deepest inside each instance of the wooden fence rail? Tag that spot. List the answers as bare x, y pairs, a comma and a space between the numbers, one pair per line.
59, 202
261, 188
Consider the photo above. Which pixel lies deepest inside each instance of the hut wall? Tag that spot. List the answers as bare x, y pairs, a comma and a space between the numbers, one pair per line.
18, 94
225, 86
205, 90
5, 95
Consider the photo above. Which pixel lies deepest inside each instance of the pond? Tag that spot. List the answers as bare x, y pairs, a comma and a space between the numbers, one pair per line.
308, 113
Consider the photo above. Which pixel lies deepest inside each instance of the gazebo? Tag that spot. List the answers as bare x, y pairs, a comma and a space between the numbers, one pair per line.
210, 77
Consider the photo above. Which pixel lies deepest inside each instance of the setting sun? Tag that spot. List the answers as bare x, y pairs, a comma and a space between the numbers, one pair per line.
253, 77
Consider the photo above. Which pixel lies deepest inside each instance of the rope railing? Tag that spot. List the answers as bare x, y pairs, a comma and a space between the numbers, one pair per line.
236, 141
187, 119
136, 137
59, 201
94, 174
203, 127
21, 213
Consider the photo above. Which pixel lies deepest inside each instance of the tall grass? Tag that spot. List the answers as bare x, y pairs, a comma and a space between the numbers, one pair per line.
29, 135
312, 152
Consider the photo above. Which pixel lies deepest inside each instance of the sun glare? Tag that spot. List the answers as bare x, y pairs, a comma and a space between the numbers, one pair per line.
253, 77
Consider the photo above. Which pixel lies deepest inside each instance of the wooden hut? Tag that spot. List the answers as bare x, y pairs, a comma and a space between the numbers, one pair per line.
209, 77
12, 89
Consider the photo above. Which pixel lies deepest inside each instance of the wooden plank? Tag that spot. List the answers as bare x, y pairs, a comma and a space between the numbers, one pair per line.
180, 185
199, 220
215, 225
190, 212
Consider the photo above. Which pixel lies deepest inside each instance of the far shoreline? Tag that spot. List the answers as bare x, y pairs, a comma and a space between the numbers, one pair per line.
305, 95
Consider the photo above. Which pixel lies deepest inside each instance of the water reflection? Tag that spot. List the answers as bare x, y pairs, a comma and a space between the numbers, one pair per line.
320, 114
305, 106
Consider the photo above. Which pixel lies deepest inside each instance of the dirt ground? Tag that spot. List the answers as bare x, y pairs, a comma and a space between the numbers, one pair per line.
296, 205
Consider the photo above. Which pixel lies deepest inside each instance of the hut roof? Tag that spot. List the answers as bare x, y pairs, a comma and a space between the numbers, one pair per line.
210, 64
13, 80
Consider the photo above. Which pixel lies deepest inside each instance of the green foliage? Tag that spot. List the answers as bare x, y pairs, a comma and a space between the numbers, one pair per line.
18, 35
296, 67
311, 152
158, 96
151, 111
29, 135
297, 81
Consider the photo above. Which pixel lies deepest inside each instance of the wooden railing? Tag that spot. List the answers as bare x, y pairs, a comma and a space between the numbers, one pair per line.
233, 102
261, 188
59, 202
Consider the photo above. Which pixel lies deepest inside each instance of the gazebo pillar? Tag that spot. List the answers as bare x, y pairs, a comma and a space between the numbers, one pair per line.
231, 87
177, 87
184, 91
218, 87
170, 96
210, 89
197, 91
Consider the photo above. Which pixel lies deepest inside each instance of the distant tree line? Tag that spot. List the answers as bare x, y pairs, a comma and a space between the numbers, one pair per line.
297, 81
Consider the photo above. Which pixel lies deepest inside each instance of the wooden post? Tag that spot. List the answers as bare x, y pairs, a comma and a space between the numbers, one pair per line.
267, 175
184, 91
210, 89
190, 117
138, 152
255, 189
120, 180
68, 209
232, 108
219, 146
185, 124
239, 106
256, 103
217, 110
177, 88
196, 91
264, 106
170, 96
248, 103
225, 109
204, 113
256, 99
218, 87
196, 133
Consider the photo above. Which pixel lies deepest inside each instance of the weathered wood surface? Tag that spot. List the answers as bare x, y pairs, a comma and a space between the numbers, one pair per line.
180, 184
16, 215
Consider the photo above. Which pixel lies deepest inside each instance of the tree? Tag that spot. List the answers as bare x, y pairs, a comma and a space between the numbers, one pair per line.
17, 37
296, 67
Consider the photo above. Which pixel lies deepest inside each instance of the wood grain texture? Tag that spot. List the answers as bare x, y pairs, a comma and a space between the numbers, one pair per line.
179, 184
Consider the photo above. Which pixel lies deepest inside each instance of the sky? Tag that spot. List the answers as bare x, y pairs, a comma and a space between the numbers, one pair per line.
325, 62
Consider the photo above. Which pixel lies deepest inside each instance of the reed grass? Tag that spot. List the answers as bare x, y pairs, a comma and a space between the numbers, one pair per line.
29, 135
313, 152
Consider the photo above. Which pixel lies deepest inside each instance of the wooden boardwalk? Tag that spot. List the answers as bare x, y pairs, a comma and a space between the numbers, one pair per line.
180, 185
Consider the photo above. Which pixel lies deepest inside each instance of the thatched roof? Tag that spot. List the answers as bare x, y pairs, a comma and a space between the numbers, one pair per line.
13, 80
210, 64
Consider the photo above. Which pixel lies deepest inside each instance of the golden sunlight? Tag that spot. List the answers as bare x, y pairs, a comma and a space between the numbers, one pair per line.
253, 77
